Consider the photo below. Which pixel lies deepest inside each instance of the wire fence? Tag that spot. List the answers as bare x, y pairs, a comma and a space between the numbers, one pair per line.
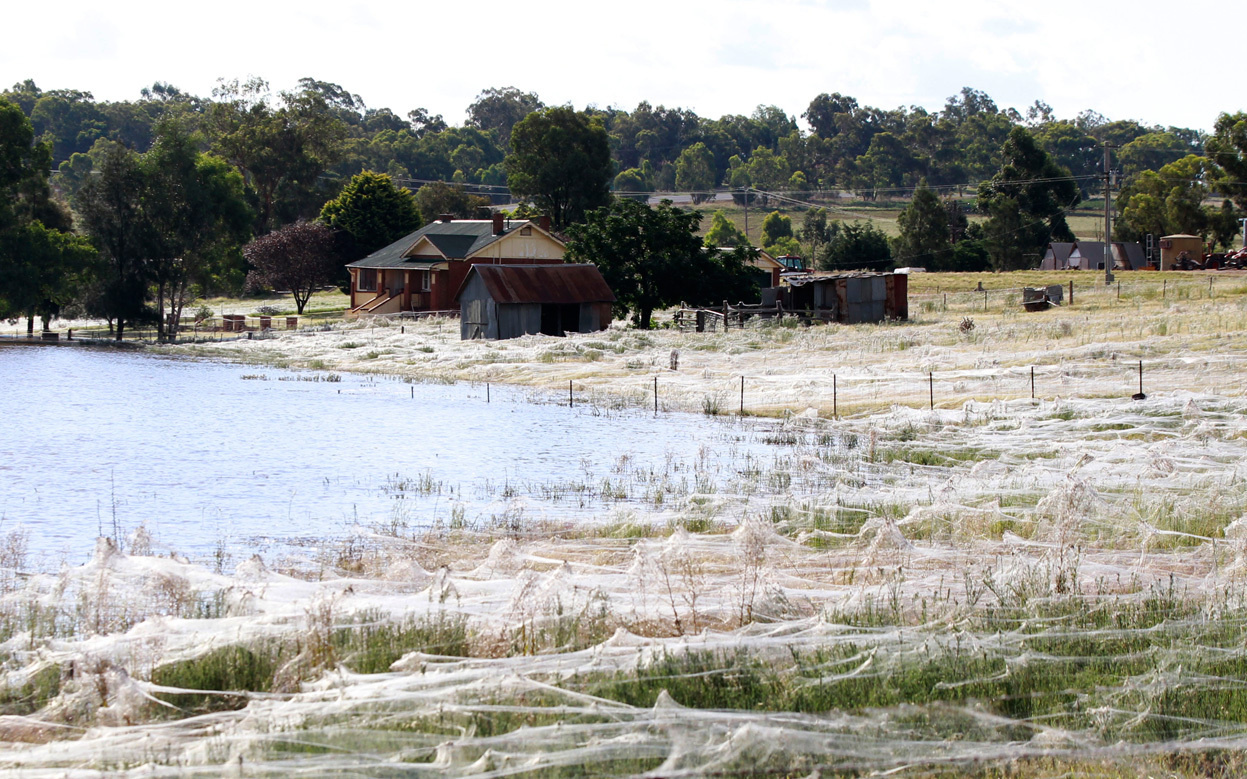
228, 327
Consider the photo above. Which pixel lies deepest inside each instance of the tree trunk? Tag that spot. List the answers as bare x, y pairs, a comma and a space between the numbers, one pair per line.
121, 329
30, 325
160, 311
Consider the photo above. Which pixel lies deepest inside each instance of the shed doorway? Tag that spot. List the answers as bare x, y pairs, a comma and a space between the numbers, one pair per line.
557, 319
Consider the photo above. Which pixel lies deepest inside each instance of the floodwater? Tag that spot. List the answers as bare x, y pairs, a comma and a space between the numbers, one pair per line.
210, 456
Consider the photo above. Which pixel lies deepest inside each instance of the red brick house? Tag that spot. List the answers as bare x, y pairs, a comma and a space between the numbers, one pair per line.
423, 271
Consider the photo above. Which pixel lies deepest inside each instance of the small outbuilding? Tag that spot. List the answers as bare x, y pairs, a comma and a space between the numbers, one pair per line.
1179, 251
1057, 256
507, 301
849, 298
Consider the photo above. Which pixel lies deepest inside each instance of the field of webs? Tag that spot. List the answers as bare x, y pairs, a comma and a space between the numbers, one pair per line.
998, 585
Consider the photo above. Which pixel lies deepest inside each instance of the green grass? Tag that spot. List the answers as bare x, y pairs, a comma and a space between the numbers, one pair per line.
32, 696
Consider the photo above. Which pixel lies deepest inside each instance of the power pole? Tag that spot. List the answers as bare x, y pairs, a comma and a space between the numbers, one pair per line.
747, 213
1108, 225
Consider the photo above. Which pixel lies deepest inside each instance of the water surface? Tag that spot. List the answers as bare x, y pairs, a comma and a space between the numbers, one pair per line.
209, 455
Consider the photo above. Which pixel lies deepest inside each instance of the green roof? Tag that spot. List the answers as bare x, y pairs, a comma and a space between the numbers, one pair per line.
456, 240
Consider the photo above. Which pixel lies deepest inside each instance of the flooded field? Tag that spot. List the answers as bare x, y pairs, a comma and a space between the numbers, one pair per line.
999, 585
211, 459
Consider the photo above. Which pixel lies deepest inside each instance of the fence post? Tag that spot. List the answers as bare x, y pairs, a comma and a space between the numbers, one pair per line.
486, 392
1032, 382
571, 399
931, 388
655, 396
1071, 292
835, 401
742, 396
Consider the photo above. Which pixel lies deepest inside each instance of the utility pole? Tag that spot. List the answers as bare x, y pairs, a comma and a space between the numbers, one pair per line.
1108, 225
747, 213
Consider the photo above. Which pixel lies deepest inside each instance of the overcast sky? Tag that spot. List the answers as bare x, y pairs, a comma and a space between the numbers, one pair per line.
721, 57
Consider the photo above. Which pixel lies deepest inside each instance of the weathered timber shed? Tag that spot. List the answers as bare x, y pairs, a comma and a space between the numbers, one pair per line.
508, 301
850, 298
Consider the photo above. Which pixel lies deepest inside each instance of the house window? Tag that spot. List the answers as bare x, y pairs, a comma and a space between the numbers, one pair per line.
367, 279
422, 279
526, 231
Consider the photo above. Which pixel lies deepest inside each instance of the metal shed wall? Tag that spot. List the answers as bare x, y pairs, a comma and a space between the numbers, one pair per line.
516, 319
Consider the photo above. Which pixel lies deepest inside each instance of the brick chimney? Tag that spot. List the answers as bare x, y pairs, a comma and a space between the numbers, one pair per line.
498, 223
445, 217
544, 222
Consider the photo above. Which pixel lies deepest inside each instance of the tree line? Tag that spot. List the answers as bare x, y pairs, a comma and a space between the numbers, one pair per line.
176, 193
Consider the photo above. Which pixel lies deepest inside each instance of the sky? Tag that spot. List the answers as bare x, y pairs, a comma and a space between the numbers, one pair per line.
715, 58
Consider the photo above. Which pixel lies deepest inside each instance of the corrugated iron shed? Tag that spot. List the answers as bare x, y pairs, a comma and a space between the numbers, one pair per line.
562, 284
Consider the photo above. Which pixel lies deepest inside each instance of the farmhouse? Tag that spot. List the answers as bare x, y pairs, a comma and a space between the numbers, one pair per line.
768, 267
508, 301
423, 270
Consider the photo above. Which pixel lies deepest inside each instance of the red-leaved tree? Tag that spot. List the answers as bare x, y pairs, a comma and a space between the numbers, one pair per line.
300, 257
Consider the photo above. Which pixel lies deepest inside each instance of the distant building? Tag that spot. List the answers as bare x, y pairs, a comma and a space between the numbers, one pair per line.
850, 298
768, 266
423, 270
1173, 247
1089, 255
508, 301
1057, 256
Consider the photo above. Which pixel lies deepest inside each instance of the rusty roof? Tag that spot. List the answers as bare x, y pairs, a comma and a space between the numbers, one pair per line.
561, 283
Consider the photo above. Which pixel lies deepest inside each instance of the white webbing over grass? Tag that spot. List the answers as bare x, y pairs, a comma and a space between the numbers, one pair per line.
991, 540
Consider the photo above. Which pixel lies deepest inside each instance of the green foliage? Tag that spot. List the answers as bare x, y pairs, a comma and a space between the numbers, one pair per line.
281, 152
236, 669
970, 256
723, 232
1223, 224
767, 171
1151, 152
695, 172
631, 183
814, 231
41, 265
438, 198
925, 239
652, 258
775, 227
32, 696
1027, 200
1166, 202
373, 211
1072, 148
787, 245
855, 245
1227, 153
500, 110
561, 160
